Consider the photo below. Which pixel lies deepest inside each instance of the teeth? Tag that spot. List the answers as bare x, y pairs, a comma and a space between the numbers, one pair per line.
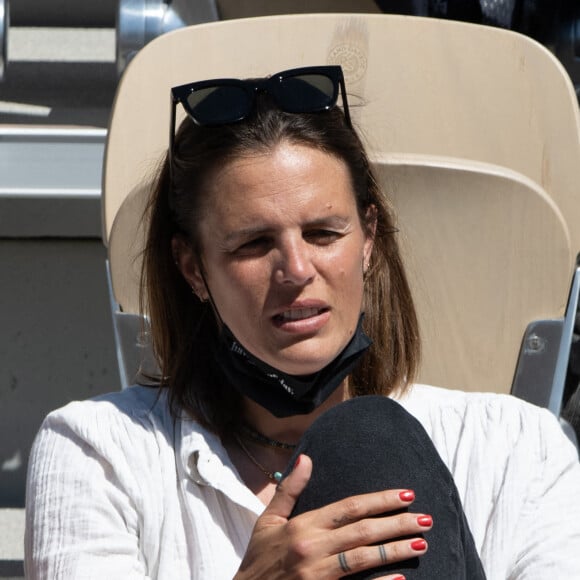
299, 313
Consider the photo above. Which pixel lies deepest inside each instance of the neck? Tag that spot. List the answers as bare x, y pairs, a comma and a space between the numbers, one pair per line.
288, 429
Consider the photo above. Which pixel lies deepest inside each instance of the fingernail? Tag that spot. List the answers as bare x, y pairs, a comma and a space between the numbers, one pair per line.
418, 545
297, 462
425, 521
407, 495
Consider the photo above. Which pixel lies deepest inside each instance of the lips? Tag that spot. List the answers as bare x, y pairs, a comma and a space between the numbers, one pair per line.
298, 314
302, 319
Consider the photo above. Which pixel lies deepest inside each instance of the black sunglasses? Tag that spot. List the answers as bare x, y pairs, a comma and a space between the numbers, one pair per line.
222, 101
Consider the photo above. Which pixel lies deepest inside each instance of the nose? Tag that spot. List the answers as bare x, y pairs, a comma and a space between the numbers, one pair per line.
295, 264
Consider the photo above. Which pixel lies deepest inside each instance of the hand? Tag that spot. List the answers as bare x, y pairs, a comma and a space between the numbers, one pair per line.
332, 541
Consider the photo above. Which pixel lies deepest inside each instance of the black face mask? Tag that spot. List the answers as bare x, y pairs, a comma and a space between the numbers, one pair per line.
282, 394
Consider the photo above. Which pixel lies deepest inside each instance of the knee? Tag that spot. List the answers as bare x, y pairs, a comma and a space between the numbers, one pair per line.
372, 419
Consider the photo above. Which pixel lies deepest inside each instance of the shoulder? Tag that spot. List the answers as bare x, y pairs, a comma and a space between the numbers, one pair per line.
120, 442
478, 415
491, 434
119, 421
133, 404
489, 441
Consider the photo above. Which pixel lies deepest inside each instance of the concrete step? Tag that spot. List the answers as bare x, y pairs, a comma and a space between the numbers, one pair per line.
11, 543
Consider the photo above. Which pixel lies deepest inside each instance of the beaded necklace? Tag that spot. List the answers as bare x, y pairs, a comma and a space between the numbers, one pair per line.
257, 437
274, 476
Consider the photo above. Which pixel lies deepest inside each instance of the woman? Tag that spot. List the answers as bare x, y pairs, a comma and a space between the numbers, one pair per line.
266, 210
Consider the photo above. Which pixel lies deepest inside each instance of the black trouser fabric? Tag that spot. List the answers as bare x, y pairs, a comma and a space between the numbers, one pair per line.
371, 443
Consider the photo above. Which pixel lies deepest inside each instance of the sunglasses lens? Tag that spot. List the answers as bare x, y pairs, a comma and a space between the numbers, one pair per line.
218, 105
306, 93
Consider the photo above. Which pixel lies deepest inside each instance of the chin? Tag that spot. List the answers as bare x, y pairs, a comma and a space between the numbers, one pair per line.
301, 365
301, 370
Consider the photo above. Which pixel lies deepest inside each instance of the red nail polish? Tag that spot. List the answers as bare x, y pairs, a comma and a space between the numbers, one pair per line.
297, 462
418, 545
407, 495
425, 521
399, 578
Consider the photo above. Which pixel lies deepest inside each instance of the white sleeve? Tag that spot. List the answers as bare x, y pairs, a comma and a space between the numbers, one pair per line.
548, 543
80, 520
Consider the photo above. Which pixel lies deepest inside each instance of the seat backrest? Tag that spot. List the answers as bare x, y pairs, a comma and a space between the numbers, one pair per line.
486, 252
126, 244
416, 85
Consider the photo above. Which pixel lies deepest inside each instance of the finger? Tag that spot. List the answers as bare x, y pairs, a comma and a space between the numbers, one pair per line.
373, 530
289, 489
367, 557
357, 507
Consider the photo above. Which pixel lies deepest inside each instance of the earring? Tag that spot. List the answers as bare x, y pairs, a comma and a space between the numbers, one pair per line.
197, 295
366, 269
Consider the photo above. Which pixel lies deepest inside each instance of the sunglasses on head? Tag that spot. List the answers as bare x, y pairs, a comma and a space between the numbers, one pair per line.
222, 101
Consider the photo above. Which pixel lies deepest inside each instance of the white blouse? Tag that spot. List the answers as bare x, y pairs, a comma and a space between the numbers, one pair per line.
117, 489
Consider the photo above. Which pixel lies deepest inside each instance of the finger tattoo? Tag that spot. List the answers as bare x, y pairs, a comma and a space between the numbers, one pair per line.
342, 561
383, 553
341, 521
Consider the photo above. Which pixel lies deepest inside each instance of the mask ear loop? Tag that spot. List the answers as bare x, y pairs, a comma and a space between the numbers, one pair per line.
210, 299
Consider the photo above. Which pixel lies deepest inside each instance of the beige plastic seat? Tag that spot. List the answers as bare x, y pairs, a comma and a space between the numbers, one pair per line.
473, 130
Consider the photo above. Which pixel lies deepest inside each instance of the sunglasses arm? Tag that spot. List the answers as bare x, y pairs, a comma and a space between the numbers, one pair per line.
344, 101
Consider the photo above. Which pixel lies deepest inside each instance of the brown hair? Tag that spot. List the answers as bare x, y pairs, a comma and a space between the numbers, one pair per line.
183, 329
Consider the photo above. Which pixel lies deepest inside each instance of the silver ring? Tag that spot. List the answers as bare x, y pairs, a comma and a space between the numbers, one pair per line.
342, 561
383, 554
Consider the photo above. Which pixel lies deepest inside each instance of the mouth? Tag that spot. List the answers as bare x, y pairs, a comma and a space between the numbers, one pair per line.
298, 314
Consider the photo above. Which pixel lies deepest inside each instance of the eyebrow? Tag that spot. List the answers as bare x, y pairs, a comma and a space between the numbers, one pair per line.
334, 221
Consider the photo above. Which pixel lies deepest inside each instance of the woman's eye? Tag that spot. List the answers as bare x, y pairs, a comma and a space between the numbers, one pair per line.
322, 236
254, 245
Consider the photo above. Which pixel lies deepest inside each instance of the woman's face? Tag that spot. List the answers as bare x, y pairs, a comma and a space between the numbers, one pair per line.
283, 250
